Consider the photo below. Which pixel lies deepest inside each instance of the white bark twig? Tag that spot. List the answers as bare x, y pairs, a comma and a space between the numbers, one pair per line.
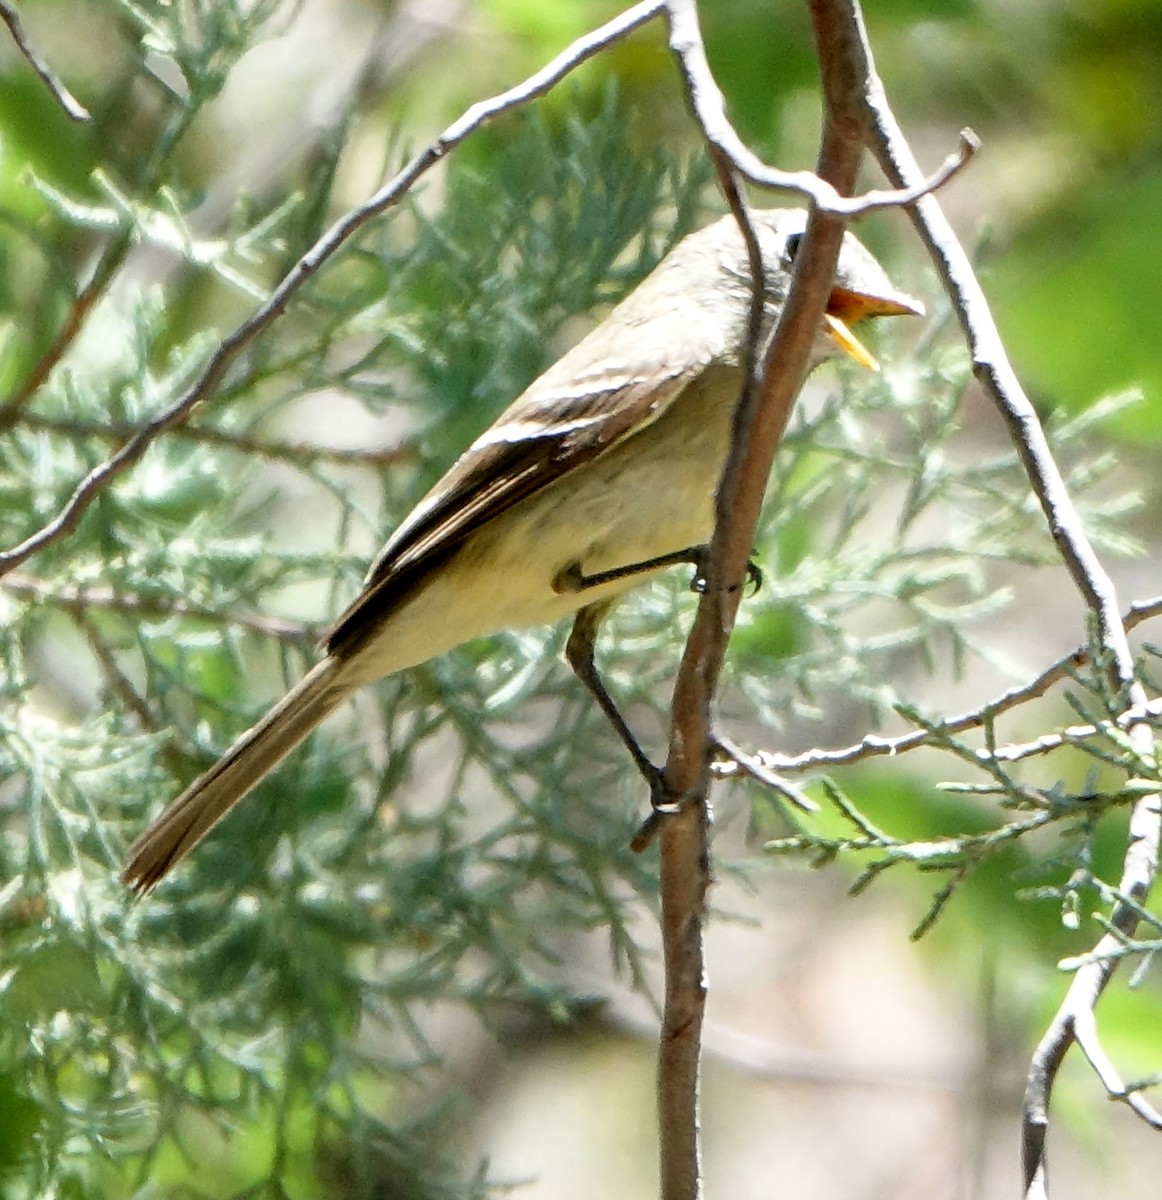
995, 373
709, 108
231, 346
72, 107
765, 766
1088, 1042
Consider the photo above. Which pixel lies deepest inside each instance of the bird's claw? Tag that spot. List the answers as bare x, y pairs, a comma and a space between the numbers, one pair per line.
662, 805
754, 578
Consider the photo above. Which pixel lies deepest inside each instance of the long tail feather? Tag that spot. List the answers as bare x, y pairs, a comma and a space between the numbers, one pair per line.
211, 796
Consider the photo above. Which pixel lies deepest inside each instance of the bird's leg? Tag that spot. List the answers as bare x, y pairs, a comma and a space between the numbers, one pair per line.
579, 650
573, 579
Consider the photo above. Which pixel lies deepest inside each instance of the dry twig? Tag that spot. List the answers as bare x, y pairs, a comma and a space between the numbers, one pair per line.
992, 368
77, 599
299, 454
232, 345
73, 108
761, 763
85, 300
771, 387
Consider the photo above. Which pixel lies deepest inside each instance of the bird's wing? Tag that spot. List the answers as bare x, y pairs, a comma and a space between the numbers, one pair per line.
547, 433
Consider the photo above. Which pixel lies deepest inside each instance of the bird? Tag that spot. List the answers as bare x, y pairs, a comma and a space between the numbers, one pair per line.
601, 474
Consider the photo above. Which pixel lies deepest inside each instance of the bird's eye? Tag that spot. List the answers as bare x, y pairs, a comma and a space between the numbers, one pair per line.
793, 246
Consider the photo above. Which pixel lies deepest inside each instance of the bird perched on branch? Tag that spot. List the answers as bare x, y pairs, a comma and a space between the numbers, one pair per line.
599, 475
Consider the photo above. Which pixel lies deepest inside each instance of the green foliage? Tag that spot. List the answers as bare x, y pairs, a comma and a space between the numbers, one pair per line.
916, 546
1092, 254
887, 533
283, 984
263, 1024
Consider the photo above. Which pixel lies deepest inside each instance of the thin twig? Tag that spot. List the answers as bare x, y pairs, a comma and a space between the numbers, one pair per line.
707, 101
877, 746
116, 679
736, 761
1069, 736
300, 454
74, 598
851, 206
111, 259
310, 264
1089, 1043
73, 108
995, 373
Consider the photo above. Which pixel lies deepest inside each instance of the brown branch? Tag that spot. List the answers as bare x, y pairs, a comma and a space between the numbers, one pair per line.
116, 680
709, 107
111, 259
73, 108
299, 454
120, 685
996, 375
771, 387
77, 599
684, 857
309, 265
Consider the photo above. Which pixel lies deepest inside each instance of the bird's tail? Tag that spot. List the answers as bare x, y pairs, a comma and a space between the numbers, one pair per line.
194, 813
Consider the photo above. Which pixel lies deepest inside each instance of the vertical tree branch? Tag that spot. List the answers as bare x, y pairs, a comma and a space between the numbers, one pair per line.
772, 385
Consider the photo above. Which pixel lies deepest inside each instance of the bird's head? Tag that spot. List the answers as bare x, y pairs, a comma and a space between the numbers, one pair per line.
861, 290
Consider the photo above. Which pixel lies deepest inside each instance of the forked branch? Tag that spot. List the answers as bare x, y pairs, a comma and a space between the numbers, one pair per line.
995, 373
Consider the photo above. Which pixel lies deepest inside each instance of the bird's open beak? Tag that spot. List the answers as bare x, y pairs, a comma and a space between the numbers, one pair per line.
846, 308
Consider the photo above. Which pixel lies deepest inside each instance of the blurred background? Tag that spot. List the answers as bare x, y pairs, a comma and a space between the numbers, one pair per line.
843, 1059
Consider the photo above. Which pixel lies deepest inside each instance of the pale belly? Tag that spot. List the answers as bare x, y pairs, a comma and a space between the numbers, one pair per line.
648, 497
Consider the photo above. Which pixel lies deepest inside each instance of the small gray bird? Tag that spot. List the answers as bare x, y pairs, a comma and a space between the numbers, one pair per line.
600, 474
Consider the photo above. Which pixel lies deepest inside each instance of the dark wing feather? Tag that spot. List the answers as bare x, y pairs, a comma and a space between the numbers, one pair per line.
545, 435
